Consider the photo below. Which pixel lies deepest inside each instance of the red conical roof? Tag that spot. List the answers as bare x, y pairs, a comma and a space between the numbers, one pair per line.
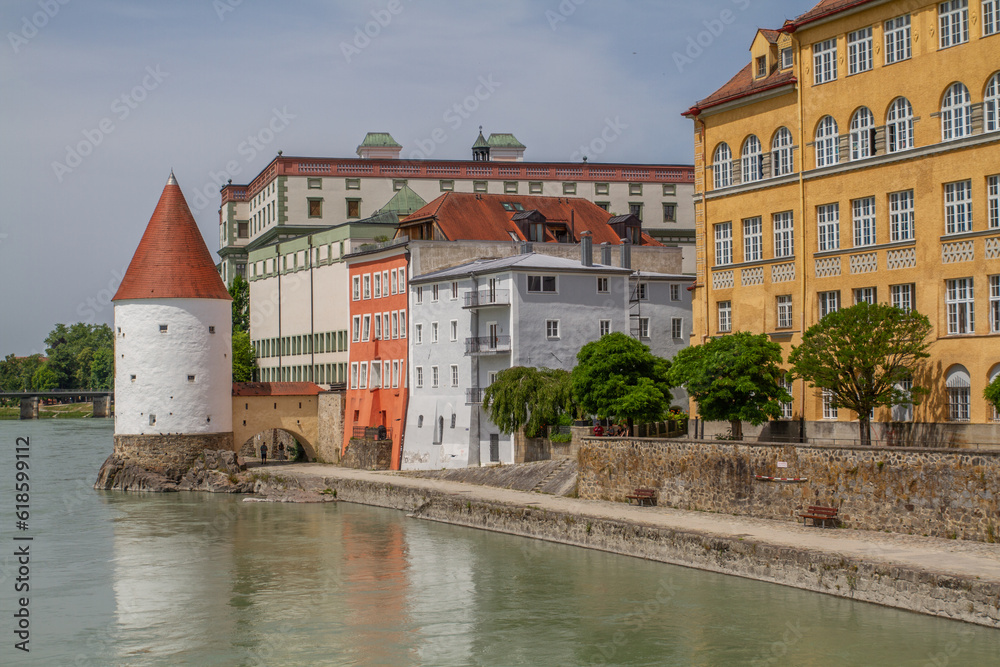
172, 260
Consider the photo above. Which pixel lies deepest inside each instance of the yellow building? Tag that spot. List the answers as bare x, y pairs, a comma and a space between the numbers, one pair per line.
857, 156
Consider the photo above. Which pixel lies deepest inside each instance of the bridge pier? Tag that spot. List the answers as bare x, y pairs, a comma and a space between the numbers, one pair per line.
102, 406
29, 407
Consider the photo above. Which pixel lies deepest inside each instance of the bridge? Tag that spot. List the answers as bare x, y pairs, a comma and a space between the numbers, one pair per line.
102, 399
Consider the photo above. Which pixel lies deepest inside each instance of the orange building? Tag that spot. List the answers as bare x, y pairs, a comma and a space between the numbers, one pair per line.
376, 394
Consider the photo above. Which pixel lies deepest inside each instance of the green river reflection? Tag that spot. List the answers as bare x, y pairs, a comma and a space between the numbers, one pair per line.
202, 579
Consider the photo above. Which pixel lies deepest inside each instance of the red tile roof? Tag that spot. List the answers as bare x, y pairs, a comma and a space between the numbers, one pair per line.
172, 260
742, 85
465, 216
770, 35
276, 389
824, 8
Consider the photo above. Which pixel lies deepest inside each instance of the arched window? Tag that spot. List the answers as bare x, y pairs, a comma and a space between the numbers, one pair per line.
862, 134
956, 113
781, 152
722, 166
899, 126
753, 164
827, 142
991, 104
959, 391
994, 373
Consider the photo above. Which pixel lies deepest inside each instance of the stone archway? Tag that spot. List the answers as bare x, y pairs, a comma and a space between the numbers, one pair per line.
293, 446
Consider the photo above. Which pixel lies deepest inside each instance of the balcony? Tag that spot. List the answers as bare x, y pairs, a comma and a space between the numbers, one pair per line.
487, 345
474, 396
371, 433
497, 297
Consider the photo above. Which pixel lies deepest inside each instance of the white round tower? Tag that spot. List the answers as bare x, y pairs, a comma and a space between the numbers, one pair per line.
173, 345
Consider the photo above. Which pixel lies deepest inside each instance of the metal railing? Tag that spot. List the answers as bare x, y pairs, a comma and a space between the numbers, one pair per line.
474, 395
487, 345
371, 433
496, 297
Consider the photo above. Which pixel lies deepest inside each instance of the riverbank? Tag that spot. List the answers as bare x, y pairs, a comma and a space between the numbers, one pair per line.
57, 411
954, 579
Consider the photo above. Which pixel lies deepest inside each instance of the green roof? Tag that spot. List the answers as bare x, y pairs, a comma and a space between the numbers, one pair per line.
404, 202
480, 142
380, 140
504, 140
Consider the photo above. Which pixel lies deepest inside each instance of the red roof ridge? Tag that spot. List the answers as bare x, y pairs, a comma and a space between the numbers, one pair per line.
172, 260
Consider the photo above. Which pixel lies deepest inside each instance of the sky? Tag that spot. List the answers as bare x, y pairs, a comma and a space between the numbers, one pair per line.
100, 99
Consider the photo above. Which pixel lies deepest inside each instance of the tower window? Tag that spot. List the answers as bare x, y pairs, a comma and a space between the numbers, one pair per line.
211, 330
132, 377
190, 378
152, 419
163, 328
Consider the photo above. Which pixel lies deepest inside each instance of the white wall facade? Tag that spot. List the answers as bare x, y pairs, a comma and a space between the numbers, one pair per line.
178, 380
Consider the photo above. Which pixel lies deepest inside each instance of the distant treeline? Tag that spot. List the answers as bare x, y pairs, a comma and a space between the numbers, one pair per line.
78, 356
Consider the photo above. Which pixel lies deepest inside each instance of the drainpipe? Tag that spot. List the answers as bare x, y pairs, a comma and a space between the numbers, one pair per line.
804, 227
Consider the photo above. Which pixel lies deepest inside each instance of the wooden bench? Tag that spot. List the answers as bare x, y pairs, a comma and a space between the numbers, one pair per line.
642, 496
820, 514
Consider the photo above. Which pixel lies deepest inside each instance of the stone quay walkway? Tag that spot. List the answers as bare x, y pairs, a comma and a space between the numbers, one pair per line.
954, 564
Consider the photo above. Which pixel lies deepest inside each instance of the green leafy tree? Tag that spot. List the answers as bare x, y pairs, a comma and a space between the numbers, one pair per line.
244, 359
102, 369
992, 393
239, 289
44, 379
617, 376
10, 374
861, 355
67, 355
734, 378
528, 397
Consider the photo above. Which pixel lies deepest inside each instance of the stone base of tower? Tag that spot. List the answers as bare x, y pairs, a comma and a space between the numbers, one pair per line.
156, 462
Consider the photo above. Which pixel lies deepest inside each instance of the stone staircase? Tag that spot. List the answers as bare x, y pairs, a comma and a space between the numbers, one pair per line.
557, 473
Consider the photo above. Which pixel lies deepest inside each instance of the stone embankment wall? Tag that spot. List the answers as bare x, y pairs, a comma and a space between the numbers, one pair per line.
364, 454
925, 592
919, 491
170, 455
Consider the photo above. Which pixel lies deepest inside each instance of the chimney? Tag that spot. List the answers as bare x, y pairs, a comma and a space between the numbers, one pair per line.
586, 249
626, 254
605, 254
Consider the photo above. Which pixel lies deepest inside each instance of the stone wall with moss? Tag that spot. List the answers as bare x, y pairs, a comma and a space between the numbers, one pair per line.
171, 454
952, 493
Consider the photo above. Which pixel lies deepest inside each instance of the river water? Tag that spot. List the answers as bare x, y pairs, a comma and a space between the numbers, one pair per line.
205, 579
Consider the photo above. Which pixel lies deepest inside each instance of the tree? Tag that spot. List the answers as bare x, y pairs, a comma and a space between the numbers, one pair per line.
44, 379
244, 359
102, 369
992, 393
617, 376
239, 289
735, 378
528, 397
71, 349
861, 355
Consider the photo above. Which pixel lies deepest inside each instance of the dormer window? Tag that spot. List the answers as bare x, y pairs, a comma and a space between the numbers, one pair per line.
787, 59
761, 66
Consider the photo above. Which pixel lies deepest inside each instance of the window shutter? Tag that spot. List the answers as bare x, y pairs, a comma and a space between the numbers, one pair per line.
977, 118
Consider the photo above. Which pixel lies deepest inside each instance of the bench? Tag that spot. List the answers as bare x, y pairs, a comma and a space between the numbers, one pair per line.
820, 514
642, 496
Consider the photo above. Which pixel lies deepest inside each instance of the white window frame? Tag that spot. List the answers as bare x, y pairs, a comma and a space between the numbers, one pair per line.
827, 142
434, 332
753, 244
402, 324
902, 296
863, 216
824, 61
782, 160
366, 284
960, 303
605, 327
953, 23
354, 375
675, 292
830, 411
356, 288
366, 328
991, 17
418, 296
991, 104
899, 126
862, 134
994, 304
752, 160
395, 373
376, 378
725, 316
401, 280
356, 329
395, 324
828, 226
784, 307
454, 375
541, 281
363, 381
602, 285
956, 112
859, 51
788, 409
866, 294
958, 207
454, 330
377, 287
898, 45
829, 302
392, 281
901, 221
418, 334
418, 377
676, 327
722, 166
784, 234
552, 329
435, 376
787, 57
643, 328
723, 243
435, 293
993, 202
378, 328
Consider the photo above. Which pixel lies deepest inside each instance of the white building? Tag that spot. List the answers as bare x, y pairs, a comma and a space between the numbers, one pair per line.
469, 322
